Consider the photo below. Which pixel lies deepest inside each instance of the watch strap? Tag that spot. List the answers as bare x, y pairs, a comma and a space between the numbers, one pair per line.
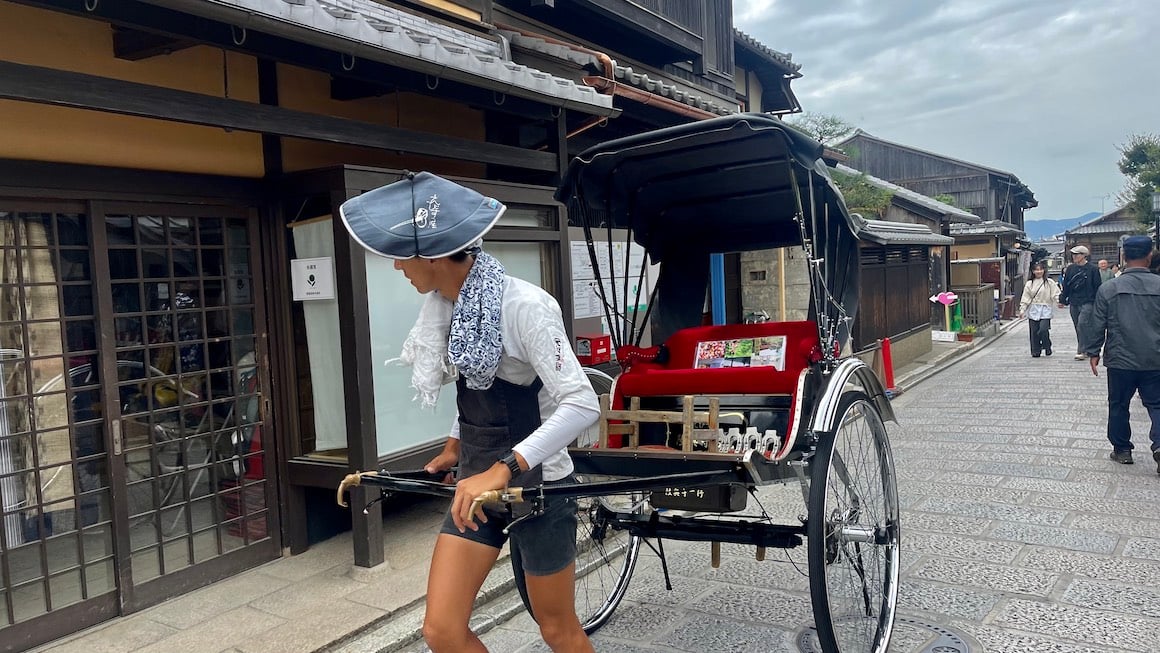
512, 463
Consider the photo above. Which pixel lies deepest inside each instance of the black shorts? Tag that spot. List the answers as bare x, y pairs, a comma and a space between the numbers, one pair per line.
541, 545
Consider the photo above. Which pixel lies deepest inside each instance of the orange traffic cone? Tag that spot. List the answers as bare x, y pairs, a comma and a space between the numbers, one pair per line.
888, 368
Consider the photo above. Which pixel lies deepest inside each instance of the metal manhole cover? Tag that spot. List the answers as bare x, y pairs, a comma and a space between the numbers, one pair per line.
940, 640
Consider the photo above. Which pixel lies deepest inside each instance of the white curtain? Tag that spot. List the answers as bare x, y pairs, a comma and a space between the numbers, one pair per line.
315, 239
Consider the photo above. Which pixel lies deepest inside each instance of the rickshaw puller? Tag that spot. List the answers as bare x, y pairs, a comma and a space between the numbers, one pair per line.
505, 340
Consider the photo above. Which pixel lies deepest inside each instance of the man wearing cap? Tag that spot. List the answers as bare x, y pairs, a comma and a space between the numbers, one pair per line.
1081, 280
1126, 323
522, 398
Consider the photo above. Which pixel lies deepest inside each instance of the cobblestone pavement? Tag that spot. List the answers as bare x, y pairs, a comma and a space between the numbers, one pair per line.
1019, 533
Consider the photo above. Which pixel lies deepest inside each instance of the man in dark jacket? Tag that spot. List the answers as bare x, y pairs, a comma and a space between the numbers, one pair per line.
1126, 323
1081, 280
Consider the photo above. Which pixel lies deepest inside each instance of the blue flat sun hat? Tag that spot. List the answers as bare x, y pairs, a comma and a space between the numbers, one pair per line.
422, 215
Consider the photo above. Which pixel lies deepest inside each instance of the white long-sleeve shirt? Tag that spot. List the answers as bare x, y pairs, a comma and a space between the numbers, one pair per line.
535, 344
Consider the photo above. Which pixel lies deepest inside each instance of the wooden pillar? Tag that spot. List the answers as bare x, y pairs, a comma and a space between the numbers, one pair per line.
359, 400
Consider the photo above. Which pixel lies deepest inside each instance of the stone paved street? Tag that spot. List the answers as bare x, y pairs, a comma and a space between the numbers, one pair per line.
1019, 533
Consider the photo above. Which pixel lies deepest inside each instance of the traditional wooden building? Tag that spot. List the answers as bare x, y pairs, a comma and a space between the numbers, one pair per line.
910, 207
989, 193
996, 196
1103, 235
173, 406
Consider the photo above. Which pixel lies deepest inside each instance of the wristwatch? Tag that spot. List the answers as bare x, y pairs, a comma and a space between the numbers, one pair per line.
512, 464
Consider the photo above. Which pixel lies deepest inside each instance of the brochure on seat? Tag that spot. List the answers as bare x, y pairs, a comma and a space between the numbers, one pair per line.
742, 352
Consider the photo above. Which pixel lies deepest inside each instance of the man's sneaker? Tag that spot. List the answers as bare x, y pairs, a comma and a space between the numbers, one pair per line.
1156, 457
1048, 352
1080, 357
1124, 457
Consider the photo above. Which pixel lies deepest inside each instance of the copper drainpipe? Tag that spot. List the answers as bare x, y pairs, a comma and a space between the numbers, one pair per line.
606, 83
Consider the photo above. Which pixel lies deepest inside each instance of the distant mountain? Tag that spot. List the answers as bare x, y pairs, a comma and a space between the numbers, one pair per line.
1039, 229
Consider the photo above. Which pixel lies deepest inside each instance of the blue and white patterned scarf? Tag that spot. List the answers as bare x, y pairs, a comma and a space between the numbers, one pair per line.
475, 343
464, 337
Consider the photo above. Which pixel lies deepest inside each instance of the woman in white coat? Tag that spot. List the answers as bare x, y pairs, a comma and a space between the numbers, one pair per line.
1040, 294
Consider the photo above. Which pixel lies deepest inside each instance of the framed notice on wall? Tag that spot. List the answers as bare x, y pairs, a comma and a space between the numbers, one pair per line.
312, 278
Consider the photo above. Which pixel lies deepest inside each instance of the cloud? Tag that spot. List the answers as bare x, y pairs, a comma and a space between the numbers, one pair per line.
1045, 89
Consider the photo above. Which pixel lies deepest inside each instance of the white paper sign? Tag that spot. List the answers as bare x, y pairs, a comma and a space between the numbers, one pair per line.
312, 278
582, 260
586, 300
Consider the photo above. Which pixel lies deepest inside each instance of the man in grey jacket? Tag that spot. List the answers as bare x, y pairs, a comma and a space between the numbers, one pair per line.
1126, 324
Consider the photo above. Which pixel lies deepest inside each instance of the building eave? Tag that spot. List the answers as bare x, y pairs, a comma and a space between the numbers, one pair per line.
377, 32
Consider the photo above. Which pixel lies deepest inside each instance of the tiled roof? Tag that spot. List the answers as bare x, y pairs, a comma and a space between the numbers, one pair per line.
644, 82
622, 74
953, 213
782, 59
990, 227
884, 232
1109, 227
377, 32
1118, 220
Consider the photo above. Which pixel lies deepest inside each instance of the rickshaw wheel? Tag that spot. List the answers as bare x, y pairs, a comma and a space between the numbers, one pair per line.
605, 557
853, 532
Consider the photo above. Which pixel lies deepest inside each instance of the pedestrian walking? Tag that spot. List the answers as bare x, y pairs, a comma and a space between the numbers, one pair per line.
1081, 280
521, 395
1106, 273
1126, 324
1040, 295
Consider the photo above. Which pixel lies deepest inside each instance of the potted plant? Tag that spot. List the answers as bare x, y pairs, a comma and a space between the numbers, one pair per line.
967, 333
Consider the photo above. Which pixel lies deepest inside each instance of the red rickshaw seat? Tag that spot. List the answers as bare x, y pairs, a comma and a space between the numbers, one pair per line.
678, 376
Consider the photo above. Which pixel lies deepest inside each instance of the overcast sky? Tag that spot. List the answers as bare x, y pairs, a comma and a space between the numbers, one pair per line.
1045, 89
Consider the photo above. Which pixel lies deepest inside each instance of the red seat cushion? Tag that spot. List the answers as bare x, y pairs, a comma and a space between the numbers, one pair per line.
679, 377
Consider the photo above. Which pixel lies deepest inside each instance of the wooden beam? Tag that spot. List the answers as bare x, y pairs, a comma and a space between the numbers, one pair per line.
345, 89
62, 88
135, 45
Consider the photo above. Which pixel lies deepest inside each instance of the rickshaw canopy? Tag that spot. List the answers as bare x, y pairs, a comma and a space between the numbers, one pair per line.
730, 184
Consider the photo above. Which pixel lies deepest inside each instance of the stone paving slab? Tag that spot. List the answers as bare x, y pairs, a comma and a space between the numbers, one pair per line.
1070, 487
958, 546
1066, 538
1081, 625
1091, 565
1141, 547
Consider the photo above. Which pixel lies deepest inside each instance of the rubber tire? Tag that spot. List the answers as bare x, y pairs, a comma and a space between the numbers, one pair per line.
594, 564
821, 556
594, 568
